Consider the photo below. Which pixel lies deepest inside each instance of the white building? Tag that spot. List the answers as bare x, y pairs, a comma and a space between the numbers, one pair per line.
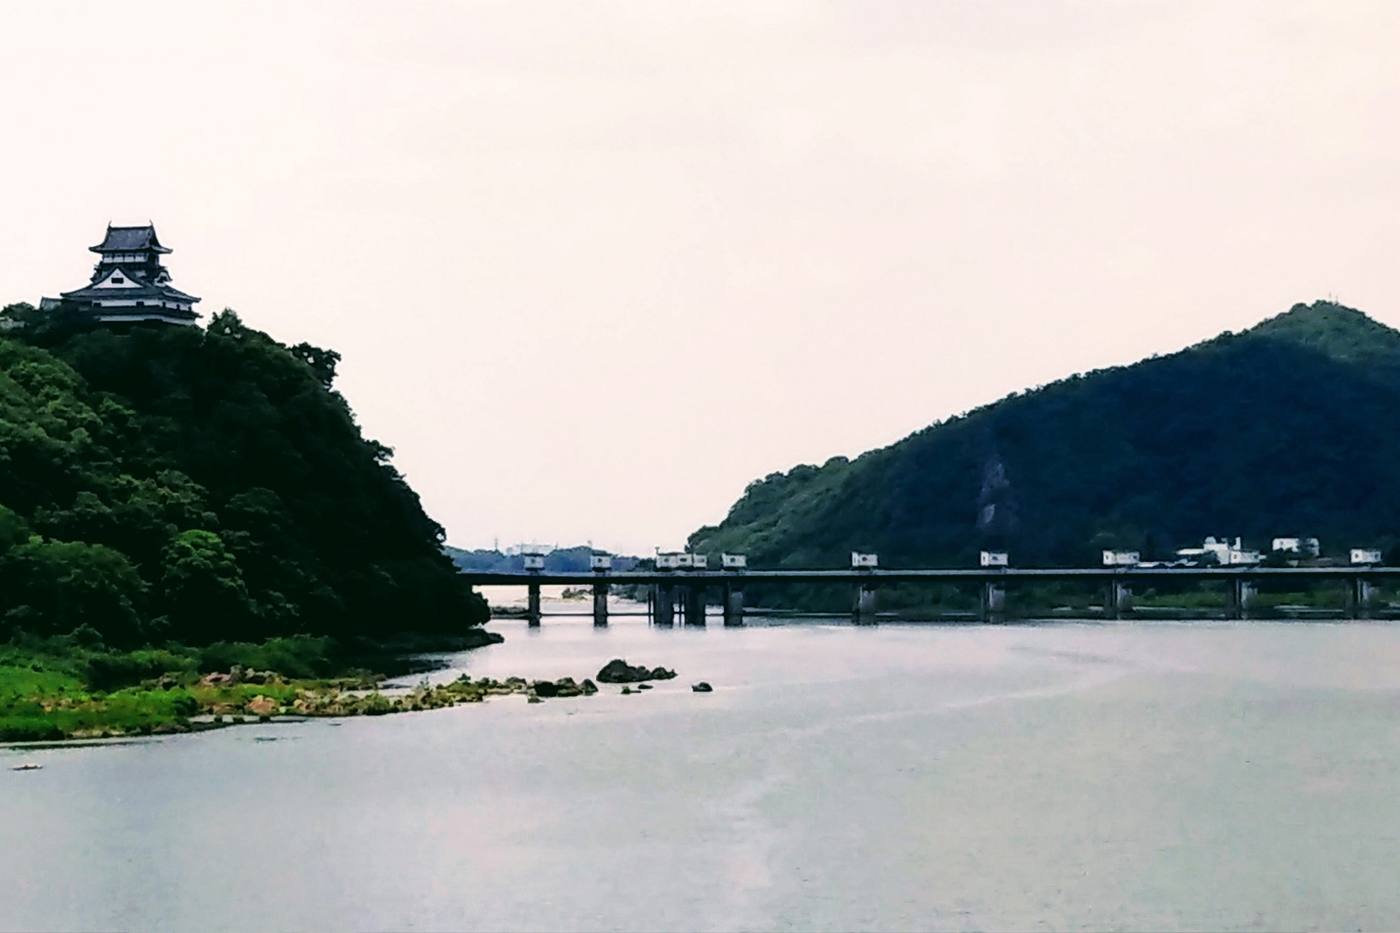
600, 562
861, 561
1121, 558
1225, 553
1304, 547
994, 559
1365, 555
699, 561
733, 561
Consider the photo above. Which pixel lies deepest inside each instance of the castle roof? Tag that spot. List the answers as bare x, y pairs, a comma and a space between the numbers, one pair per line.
140, 293
129, 239
143, 289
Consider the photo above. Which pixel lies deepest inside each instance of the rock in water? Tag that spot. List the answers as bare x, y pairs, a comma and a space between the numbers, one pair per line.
588, 687
544, 689
618, 671
28, 766
702, 687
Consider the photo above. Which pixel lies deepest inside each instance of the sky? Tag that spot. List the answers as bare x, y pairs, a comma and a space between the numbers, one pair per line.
594, 267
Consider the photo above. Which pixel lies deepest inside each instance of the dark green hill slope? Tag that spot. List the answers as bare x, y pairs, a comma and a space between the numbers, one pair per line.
1288, 428
169, 482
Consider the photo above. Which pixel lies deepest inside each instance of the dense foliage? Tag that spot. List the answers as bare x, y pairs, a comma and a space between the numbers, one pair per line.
171, 483
1285, 429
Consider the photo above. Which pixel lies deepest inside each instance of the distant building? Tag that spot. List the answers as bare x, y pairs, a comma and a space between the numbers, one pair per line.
600, 562
994, 559
1365, 555
1121, 558
129, 283
1222, 551
861, 561
1303, 547
534, 561
515, 550
733, 561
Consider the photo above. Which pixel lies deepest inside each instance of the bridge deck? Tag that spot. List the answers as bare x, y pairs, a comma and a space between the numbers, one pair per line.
970, 575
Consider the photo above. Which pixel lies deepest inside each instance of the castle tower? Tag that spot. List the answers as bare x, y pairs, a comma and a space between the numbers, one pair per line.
129, 283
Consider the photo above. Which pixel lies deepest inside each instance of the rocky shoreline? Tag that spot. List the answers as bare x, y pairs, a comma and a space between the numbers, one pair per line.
241, 696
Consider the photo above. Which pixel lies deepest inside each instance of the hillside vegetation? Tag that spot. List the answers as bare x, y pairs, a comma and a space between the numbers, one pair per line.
1285, 429
172, 484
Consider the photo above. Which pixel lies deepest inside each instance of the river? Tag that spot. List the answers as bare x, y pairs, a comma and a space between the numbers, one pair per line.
1061, 776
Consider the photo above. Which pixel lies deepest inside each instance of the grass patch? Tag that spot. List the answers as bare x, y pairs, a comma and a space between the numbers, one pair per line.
74, 686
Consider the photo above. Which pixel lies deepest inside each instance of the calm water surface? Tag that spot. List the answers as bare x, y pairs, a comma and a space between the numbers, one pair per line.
1206, 775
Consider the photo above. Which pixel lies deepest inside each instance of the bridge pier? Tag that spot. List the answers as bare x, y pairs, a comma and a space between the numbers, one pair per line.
600, 604
1118, 599
993, 601
694, 608
865, 604
1361, 597
1241, 597
733, 605
532, 605
664, 603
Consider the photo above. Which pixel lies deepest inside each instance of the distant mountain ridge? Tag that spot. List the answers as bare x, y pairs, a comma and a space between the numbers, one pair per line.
559, 560
1284, 429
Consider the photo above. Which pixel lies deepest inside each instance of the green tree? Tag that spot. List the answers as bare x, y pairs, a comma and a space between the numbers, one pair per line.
54, 587
201, 588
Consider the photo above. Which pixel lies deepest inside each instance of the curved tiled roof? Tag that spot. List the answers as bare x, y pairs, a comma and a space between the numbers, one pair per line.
140, 292
129, 239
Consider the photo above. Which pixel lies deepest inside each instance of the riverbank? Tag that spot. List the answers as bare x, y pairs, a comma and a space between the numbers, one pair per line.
75, 687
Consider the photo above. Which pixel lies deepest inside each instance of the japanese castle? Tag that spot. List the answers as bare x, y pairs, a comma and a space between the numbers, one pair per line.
129, 283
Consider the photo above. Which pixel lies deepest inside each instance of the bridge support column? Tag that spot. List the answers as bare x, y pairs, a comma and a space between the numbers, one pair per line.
1361, 597
865, 604
664, 604
695, 604
600, 604
532, 605
993, 601
1241, 597
733, 605
1118, 599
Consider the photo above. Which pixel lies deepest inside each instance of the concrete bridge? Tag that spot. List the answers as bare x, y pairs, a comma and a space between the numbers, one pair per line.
673, 593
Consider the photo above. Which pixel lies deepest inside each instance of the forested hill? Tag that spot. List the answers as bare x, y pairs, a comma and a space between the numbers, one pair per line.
1285, 429
172, 483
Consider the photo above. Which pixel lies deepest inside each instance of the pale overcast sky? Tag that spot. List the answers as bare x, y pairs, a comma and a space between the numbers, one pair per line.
593, 267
